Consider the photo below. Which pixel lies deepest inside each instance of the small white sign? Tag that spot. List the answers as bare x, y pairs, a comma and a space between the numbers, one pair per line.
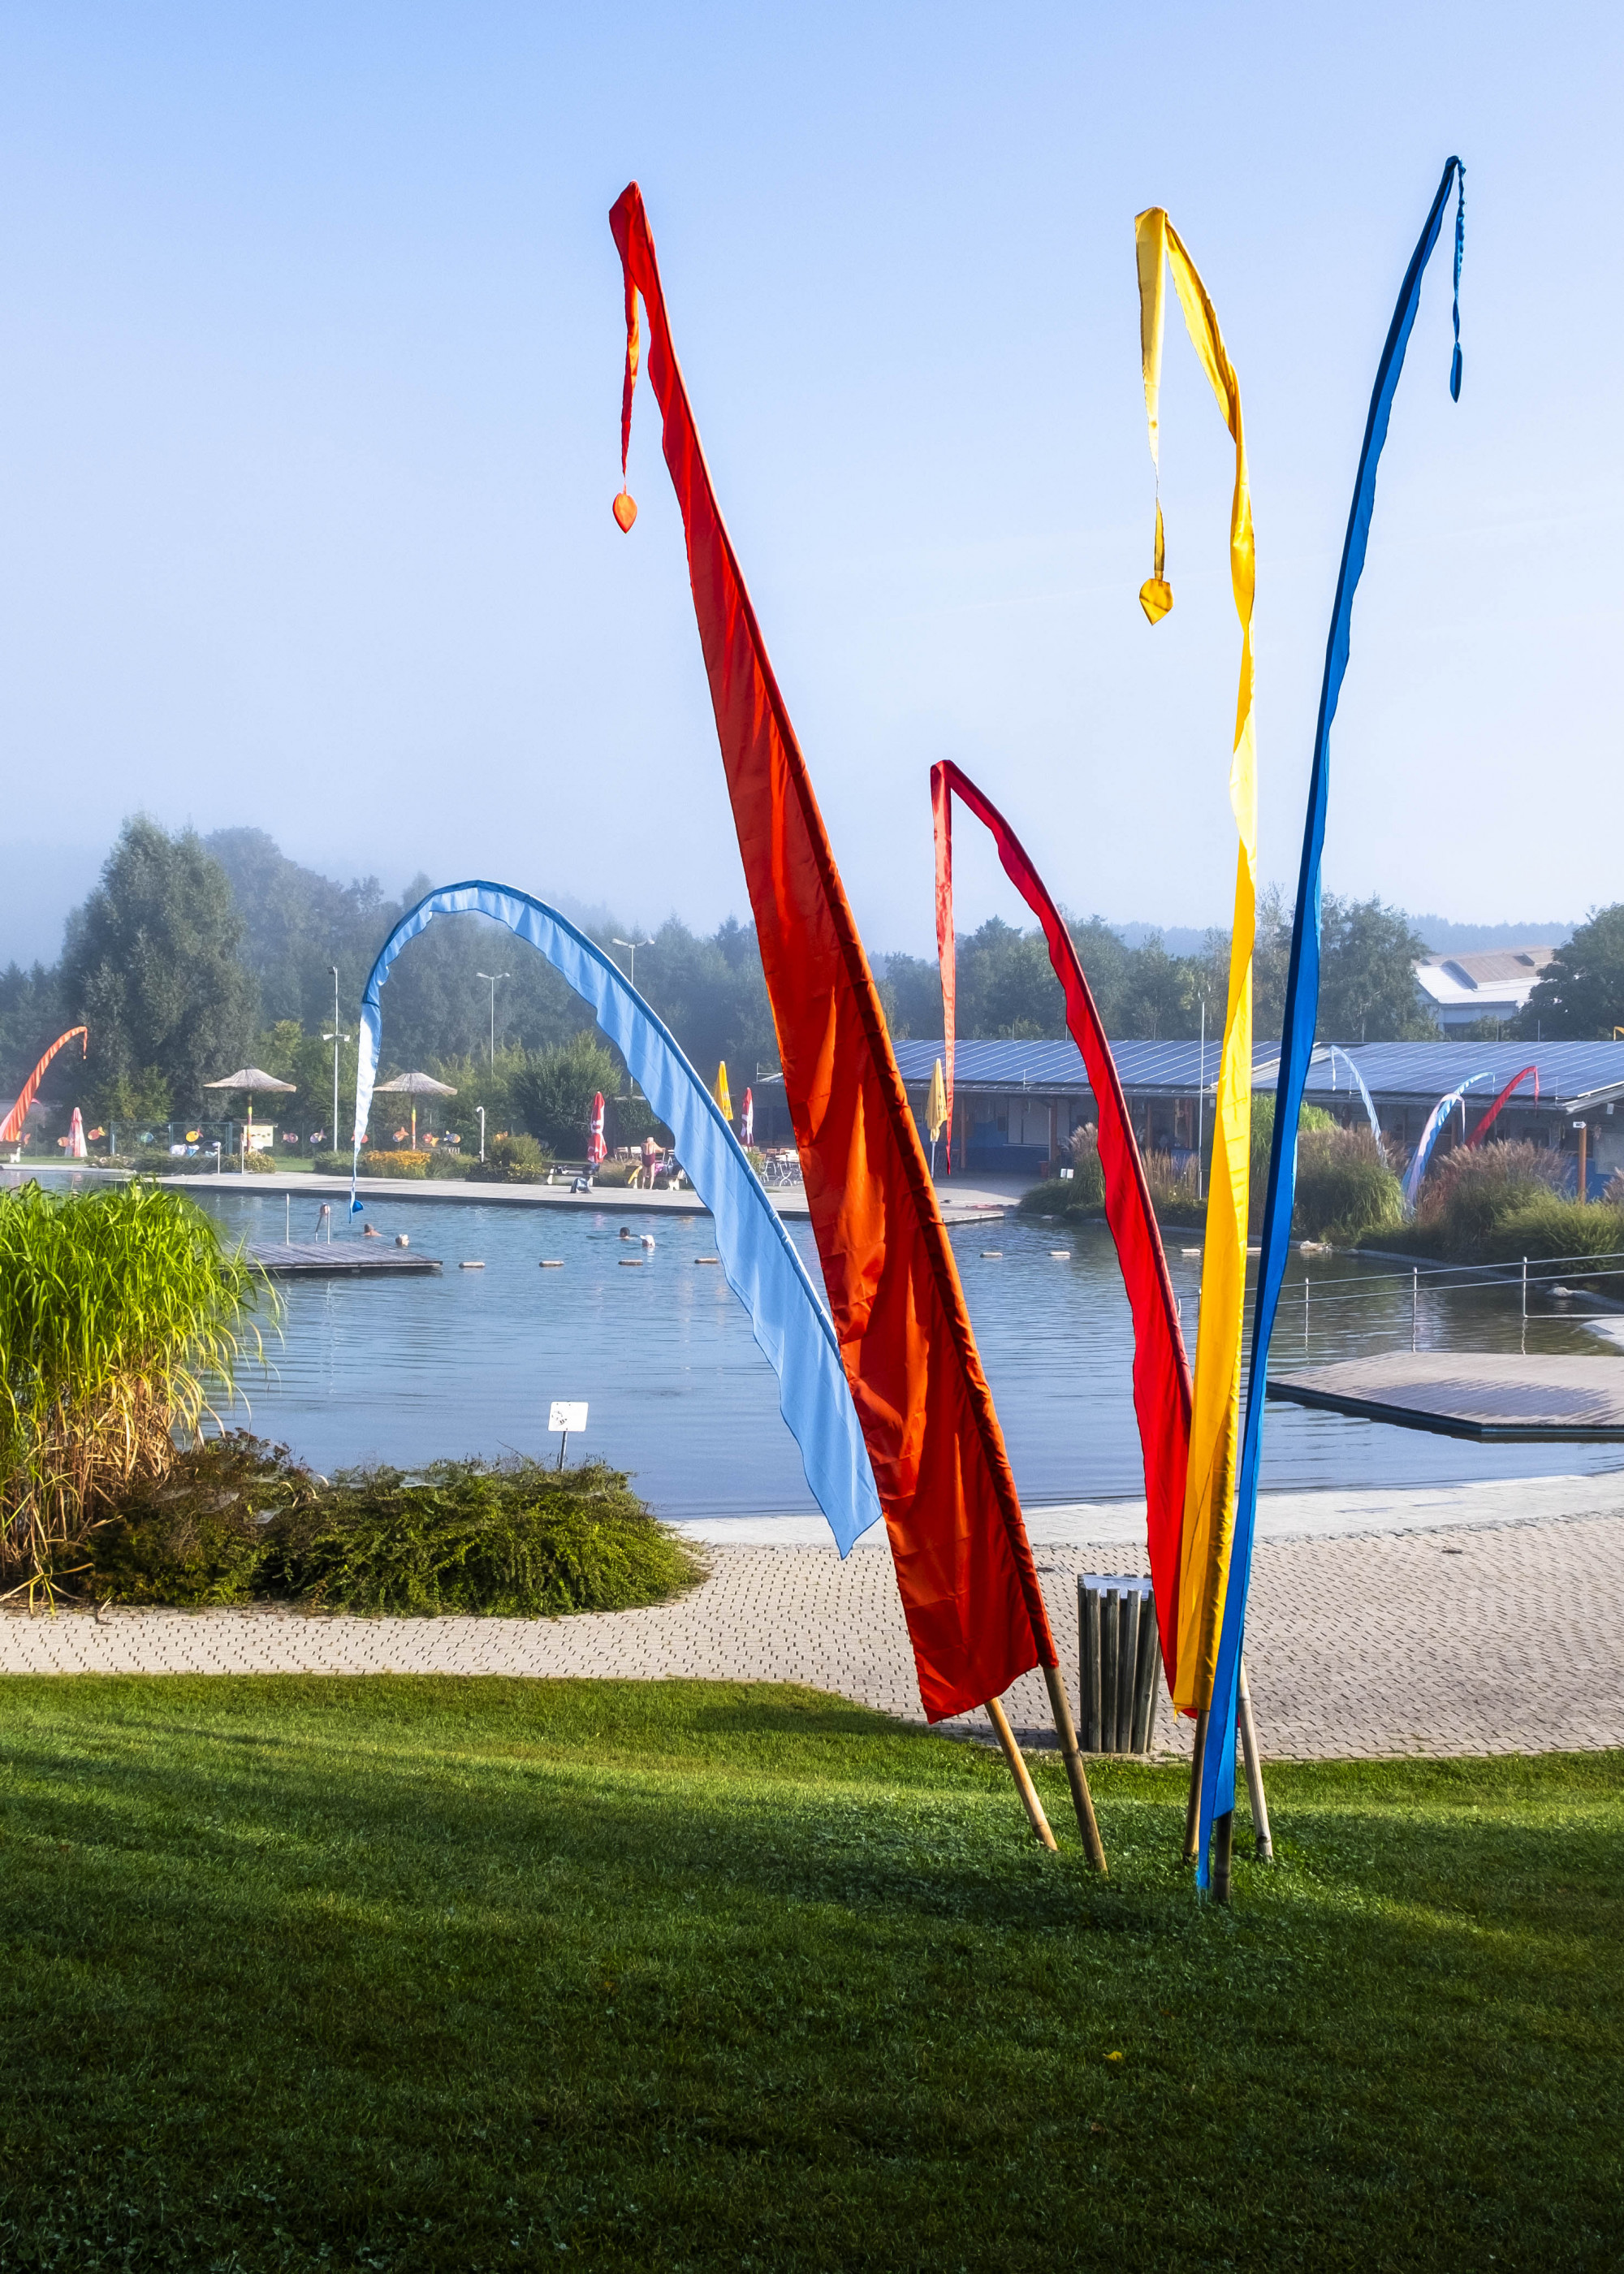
562, 1415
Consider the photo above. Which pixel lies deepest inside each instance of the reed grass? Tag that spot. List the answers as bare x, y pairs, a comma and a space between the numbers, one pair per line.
123, 1322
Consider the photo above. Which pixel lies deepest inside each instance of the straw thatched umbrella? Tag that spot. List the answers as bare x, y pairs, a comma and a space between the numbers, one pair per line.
415, 1086
256, 1082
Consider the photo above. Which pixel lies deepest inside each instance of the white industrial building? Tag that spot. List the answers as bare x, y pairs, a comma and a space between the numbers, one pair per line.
1460, 989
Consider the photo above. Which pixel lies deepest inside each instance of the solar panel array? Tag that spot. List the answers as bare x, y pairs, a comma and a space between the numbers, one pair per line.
1569, 1072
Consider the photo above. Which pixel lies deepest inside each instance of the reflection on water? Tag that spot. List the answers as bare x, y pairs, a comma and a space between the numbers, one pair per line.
467, 1362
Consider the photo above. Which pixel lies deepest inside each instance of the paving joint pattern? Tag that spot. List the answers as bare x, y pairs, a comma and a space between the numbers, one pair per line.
1480, 1639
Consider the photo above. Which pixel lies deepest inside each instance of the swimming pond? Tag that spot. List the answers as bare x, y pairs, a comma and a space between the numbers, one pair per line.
462, 1362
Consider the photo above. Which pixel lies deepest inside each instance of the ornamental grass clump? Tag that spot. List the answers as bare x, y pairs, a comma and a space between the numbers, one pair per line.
123, 1322
238, 1520
1345, 1186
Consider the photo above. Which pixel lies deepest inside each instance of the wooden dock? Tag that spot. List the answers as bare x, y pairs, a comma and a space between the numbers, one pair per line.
1497, 1397
342, 1259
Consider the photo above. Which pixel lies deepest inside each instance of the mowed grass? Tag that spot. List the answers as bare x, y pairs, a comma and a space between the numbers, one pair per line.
397, 1974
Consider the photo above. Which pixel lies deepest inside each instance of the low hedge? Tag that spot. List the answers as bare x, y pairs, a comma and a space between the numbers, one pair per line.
402, 1163
238, 1520
516, 1160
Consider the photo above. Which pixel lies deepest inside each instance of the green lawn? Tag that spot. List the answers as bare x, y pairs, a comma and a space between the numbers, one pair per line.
400, 1975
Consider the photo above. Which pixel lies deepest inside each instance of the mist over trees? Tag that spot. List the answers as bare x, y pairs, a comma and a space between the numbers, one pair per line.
193, 955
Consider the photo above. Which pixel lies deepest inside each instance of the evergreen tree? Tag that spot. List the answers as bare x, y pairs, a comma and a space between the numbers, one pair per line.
153, 966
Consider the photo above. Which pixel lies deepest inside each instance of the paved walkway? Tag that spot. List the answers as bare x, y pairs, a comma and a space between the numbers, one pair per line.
1477, 1619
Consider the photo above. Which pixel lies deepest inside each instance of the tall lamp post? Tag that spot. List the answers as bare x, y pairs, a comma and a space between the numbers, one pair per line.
631, 946
335, 1038
493, 976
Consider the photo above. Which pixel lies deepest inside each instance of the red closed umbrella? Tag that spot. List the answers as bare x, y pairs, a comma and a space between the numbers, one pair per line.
595, 1146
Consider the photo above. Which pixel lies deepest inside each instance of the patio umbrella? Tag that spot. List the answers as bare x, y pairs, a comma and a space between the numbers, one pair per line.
415, 1086
935, 1110
256, 1082
720, 1092
595, 1146
746, 1121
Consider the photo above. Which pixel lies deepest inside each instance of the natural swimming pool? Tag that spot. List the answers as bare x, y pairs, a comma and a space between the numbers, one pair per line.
464, 1362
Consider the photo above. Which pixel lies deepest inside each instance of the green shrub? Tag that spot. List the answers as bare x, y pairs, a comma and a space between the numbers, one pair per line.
616, 1175
377, 1161
514, 1160
121, 1318
331, 1164
240, 1519
1345, 1186
1544, 1225
1080, 1194
201, 1535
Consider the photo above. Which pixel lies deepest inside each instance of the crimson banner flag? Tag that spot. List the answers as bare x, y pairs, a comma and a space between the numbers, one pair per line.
1160, 1370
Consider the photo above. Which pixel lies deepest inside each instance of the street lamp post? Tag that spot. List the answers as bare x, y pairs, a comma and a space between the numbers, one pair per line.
631, 946
493, 976
335, 1038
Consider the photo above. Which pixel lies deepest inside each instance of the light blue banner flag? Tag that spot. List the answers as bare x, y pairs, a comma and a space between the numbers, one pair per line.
1302, 1008
1435, 1121
1370, 1103
761, 1266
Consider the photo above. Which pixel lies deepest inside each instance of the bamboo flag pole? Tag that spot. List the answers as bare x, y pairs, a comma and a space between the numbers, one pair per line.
1021, 1773
1254, 1772
1082, 1799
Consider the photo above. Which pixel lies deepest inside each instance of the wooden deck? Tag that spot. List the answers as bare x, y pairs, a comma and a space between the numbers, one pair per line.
342, 1258
1496, 1396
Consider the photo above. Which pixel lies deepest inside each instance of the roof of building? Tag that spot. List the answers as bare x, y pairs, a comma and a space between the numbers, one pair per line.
1498, 975
1569, 1073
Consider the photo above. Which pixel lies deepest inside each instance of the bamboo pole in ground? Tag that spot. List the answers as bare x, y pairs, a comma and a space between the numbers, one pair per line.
1082, 1799
1254, 1772
1021, 1773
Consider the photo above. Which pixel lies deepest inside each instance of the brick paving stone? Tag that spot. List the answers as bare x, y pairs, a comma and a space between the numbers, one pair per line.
1479, 1639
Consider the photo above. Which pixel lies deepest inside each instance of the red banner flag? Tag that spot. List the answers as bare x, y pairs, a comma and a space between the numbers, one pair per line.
11, 1127
1160, 1370
969, 1589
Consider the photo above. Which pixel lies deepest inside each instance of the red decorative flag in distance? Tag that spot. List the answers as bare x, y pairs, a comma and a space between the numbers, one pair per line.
11, 1127
969, 1590
1160, 1370
1489, 1119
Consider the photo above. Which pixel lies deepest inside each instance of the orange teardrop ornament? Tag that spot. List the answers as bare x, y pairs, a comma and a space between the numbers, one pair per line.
626, 509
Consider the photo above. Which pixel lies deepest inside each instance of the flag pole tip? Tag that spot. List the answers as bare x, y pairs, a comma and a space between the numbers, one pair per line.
1155, 597
625, 510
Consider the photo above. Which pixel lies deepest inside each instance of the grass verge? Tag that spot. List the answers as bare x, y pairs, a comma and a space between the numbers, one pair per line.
429, 1974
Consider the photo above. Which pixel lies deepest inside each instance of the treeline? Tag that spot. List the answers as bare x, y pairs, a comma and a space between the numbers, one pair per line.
195, 955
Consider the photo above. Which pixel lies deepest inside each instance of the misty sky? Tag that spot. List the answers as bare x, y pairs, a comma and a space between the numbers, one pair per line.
312, 332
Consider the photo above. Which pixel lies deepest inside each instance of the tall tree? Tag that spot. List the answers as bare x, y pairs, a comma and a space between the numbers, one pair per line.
1582, 994
153, 964
1367, 981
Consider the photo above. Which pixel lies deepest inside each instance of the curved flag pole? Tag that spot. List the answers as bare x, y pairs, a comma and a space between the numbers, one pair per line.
1492, 1115
11, 1127
1435, 1121
970, 1590
758, 1257
1161, 1370
1337, 1052
1217, 1782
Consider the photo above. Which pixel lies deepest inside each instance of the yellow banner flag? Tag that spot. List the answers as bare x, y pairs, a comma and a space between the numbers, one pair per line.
936, 1104
1214, 1421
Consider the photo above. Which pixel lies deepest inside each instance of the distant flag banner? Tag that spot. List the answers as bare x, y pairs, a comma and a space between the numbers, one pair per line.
1492, 1115
596, 1148
11, 1127
1161, 1371
1214, 1424
747, 1119
1360, 1084
759, 1259
1416, 1173
970, 1590
1302, 1002
935, 1103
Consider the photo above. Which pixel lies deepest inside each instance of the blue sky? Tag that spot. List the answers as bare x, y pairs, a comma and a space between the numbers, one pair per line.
310, 342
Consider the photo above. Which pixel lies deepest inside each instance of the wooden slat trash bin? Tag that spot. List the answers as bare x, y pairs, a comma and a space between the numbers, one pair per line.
1120, 1662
